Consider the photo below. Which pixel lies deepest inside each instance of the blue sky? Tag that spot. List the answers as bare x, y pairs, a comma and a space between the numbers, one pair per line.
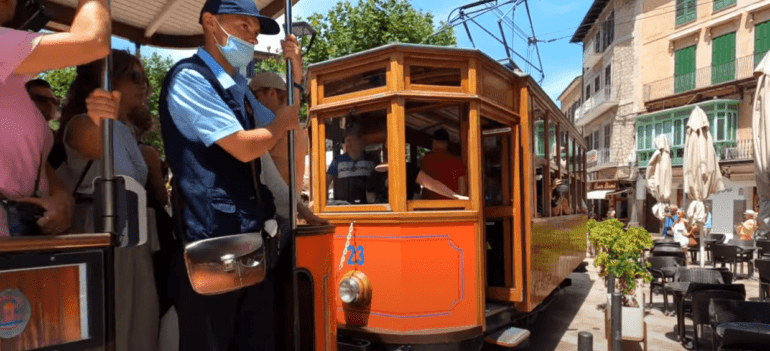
551, 19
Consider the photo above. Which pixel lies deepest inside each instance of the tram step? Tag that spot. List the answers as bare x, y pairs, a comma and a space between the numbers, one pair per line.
507, 337
497, 315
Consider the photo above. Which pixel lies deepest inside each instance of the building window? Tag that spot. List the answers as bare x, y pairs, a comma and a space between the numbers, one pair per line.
590, 142
598, 41
761, 41
720, 4
608, 77
684, 69
596, 139
607, 135
685, 11
608, 27
575, 107
723, 58
597, 83
588, 91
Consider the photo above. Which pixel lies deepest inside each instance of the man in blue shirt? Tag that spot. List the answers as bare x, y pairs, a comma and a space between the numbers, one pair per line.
213, 129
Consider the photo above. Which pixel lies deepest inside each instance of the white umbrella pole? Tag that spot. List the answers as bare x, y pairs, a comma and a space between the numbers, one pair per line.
702, 248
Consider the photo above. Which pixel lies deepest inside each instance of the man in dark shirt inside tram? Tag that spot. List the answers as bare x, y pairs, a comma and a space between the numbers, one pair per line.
350, 172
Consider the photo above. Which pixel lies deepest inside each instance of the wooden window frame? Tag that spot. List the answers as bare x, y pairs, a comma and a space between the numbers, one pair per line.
461, 65
323, 79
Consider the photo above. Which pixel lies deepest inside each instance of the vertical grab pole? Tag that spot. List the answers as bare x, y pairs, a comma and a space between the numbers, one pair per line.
108, 165
292, 185
108, 203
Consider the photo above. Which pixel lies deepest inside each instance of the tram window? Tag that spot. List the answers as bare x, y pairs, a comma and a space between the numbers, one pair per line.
355, 145
495, 141
443, 76
434, 131
358, 82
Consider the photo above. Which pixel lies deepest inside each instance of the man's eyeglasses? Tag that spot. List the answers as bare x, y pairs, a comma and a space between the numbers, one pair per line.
46, 99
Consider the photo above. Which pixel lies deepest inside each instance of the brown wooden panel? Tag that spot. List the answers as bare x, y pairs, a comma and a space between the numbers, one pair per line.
58, 242
54, 297
401, 217
438, 204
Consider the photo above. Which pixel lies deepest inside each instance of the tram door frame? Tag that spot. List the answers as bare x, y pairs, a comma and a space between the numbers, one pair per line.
509, 211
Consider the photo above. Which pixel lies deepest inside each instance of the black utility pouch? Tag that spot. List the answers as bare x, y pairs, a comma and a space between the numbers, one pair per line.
22, 218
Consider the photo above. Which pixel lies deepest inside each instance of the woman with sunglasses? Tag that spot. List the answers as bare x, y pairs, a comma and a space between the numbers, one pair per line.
25, 139
136, 309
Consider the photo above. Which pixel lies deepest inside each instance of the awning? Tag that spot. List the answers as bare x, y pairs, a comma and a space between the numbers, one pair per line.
598, 194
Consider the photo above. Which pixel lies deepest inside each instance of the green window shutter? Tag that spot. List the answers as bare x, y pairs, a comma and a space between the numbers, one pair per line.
640, 138
761, 41
720, 4
684, 69
723, 58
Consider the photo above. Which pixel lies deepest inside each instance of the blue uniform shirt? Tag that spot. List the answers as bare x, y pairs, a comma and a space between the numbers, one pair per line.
201, 103
199, 114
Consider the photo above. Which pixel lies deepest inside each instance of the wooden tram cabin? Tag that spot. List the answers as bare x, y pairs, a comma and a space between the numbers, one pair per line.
445, 274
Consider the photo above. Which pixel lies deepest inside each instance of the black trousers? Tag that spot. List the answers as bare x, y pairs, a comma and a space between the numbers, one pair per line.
239, 320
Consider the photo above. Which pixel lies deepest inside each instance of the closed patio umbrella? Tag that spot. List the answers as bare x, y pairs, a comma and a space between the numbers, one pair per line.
659, 176
761, 135
702, 176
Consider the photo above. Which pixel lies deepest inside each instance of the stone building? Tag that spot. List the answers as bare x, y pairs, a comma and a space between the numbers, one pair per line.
700, 53
605, 101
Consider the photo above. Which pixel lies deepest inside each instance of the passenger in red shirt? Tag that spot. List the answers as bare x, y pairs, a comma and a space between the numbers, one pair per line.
444, 167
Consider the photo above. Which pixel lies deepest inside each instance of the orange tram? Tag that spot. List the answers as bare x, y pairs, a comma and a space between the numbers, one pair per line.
405, 273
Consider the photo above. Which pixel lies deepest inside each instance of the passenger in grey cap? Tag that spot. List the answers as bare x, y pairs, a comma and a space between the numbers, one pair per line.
211, 137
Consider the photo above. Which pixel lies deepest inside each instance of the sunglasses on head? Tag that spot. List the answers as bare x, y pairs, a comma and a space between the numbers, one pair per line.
45, 99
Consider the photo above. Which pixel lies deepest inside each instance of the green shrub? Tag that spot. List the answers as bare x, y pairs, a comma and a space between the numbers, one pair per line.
620, 252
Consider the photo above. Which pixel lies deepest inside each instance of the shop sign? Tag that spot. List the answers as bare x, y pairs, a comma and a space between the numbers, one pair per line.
604, 186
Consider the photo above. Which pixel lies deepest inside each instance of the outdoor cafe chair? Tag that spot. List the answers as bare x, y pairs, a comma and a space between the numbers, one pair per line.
740, 340
764, 248
726, 253
663, 269
700, 309
713, 238
763, 266
669, 251
745, 251
723, 311
682, 296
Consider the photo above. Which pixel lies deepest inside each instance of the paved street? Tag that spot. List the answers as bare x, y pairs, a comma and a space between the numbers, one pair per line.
580, 307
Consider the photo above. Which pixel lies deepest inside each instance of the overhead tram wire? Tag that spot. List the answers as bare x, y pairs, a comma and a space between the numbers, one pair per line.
470, 12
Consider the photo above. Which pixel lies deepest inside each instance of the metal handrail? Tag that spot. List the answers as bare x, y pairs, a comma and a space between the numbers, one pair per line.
740, 68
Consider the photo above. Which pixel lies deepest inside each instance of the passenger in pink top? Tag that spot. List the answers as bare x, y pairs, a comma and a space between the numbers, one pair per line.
25, 139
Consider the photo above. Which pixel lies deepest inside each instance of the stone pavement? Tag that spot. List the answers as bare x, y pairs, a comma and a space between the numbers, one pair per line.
580, 307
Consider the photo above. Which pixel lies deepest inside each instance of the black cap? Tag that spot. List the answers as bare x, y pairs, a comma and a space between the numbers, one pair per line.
441, 135
240, 7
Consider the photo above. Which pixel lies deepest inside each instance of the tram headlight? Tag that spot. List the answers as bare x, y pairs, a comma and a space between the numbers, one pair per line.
350, 292
355, 289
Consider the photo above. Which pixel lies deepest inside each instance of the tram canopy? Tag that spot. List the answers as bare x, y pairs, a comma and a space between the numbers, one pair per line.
164, 23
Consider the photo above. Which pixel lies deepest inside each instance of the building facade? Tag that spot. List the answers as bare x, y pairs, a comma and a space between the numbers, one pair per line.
609, 101
701, 53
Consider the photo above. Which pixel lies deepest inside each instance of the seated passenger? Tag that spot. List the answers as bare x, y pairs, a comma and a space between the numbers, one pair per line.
414, 176
559, 201
42, 94
444, 167
136, 309
350, 171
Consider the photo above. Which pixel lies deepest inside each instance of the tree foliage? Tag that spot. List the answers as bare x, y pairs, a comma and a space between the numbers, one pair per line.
620, 252
349, 28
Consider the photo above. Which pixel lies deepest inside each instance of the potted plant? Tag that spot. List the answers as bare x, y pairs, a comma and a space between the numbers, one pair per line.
619, 252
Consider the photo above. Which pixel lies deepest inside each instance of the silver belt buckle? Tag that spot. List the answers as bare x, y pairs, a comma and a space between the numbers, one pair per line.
228, 262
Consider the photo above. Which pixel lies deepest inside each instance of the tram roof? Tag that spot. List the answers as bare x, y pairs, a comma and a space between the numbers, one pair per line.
171, 23
533, 85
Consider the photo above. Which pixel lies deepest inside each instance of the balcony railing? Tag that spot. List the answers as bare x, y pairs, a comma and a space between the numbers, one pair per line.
739, 150
704, 77
727, 151
586, 111
599, 157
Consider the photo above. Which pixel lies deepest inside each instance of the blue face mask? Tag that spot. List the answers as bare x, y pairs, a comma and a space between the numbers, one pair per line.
238, 52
